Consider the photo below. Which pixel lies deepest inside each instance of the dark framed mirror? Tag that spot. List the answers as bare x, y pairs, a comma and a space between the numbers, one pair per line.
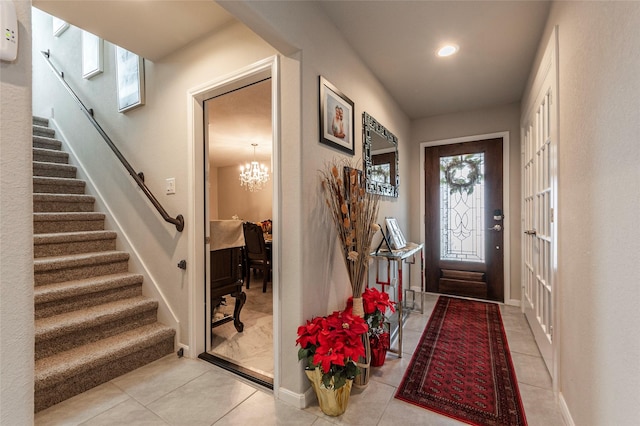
380, 158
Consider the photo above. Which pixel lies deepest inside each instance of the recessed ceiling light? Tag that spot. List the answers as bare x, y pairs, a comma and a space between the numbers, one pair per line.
448, 50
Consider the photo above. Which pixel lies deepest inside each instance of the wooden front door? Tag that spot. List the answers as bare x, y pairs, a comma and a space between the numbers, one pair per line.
464, 219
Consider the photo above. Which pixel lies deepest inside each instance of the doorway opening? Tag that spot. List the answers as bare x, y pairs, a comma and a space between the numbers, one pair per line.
207, 301
238, 136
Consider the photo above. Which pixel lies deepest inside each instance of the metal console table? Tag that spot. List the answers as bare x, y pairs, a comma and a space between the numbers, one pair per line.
407, 255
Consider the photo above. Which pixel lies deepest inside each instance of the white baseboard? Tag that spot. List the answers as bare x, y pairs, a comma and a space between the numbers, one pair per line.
564, 410
298, 400
513, 302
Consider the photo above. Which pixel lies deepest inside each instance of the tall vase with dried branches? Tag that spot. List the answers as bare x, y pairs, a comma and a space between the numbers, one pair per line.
354, 212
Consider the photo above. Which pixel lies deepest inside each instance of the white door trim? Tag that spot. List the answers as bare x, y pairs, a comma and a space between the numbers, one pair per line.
197, 333
505, 198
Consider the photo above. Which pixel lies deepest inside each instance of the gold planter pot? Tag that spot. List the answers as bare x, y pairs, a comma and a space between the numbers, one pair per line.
332, 402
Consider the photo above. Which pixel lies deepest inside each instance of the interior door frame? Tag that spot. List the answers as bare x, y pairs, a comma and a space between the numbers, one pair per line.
198, 335
505, 198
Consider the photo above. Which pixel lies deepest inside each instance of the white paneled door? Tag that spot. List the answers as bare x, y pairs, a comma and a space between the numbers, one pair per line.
539, 191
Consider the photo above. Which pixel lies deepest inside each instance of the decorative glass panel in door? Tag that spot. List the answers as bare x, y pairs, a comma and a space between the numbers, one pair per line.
462, 208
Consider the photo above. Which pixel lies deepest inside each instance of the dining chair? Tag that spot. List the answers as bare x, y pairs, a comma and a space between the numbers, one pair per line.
256, 254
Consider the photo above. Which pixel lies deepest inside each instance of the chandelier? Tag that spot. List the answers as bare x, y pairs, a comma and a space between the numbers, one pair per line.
253, 176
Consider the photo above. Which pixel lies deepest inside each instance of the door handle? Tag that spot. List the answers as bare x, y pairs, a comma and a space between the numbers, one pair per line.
530, 232
496, 228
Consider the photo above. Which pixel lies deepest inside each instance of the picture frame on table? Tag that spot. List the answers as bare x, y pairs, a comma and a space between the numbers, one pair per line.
394, 233
130, 79
92, 57
384, 240
337, 117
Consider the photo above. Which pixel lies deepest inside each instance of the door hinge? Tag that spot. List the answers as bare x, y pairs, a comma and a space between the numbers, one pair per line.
207, 240
551, 215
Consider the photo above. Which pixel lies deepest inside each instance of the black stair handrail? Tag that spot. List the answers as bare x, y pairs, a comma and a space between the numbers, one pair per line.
179, 220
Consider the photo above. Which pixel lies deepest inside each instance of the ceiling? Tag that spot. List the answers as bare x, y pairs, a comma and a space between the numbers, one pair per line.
150, 28
396, 39
238, 119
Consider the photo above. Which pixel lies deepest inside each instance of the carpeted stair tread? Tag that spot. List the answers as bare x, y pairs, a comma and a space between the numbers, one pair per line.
67, 216
67, 222
62, 202
50, 156
43, 131
59, 181
73, 237
56, 291
58, 185
71, 198
40, 121
47, 143
66, 296
57, 298
41, 168
76, 321
98, 373
70, 261
54, 269
65, 331
57, 244
63, 216
53, 369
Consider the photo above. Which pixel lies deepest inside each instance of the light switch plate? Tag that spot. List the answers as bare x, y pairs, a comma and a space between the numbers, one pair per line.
171, 186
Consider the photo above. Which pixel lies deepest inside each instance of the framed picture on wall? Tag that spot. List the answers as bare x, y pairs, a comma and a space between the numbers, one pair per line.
130, 79
396, 238
336, 118
91, 55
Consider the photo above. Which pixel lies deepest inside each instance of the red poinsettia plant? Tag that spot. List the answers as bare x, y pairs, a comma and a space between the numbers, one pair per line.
375, 304
333, 344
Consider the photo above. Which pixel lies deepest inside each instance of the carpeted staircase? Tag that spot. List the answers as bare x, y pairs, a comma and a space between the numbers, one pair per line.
92, 323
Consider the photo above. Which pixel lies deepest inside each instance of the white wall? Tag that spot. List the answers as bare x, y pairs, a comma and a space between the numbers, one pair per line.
599, 200
469, 123
154, 139
16, 231
232, 199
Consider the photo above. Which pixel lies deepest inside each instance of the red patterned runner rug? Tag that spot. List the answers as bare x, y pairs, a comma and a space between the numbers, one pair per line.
462, 367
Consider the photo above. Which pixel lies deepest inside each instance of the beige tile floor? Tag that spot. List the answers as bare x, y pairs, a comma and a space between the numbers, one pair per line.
180, 391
